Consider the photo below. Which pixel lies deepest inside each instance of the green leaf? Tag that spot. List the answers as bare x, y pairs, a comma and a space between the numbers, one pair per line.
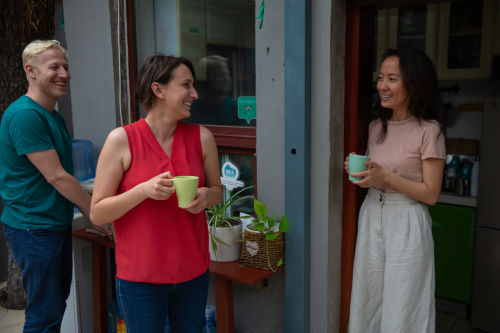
280, 262
218, 213
271, 235
260, 208
218, 240
214, 244
284, 224
259, 227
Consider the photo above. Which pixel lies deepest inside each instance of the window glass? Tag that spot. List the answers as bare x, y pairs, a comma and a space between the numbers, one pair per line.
412, 22
237, 169
218, 36
464, 46
375, 42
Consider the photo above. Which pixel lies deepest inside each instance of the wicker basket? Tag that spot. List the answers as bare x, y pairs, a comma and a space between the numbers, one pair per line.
254, 253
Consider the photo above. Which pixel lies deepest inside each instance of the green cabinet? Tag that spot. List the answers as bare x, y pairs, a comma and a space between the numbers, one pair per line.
453, 231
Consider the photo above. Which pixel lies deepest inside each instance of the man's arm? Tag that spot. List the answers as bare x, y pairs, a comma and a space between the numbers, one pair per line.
49, 165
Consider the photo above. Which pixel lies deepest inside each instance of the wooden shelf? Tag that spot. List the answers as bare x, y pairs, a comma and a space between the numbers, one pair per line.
234, 271
224, 274
450, 198
237, 272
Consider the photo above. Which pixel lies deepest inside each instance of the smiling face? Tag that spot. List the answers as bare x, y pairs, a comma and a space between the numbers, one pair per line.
179, 92
49, 74
393, 94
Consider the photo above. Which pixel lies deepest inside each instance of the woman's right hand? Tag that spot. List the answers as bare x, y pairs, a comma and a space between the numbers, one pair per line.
159, 187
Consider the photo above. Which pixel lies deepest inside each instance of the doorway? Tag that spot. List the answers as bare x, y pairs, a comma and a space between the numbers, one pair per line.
360, 47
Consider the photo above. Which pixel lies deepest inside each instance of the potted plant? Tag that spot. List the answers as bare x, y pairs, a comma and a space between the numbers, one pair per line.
263, 241
224, 230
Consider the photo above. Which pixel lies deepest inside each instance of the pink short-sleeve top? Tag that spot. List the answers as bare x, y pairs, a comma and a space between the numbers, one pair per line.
407, 143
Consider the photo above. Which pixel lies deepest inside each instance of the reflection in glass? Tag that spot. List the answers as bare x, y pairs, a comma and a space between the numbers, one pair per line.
218, 36
215, 104
412, 23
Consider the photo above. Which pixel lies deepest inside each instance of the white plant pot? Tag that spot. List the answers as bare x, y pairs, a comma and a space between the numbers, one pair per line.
229, 252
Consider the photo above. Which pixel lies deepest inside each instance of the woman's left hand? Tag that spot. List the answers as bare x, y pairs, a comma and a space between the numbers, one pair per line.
200, 201
375, 175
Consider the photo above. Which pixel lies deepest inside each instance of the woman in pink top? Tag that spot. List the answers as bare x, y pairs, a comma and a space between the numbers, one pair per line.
162, 254
393, 278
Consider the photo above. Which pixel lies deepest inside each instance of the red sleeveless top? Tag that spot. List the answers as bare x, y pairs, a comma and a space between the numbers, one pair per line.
156, 241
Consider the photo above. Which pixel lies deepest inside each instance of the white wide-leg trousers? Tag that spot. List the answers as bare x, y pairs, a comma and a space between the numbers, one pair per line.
393, 278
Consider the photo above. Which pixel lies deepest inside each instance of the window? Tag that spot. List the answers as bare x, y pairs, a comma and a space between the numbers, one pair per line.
218, 37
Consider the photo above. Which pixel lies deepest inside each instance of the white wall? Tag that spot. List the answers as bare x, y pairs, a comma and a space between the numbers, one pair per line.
88, 35
320, 156
327, 130
262, 311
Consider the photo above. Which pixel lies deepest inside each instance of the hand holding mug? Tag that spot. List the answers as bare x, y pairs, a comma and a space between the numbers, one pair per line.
374, 175
355, 164
200, 201
159, 187
186, 188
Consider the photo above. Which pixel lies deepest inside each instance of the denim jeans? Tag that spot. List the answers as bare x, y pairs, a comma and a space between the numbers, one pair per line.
144, 306
45, 259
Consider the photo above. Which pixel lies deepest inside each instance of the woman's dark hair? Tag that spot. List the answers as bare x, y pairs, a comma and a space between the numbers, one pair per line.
157, 68
420, 81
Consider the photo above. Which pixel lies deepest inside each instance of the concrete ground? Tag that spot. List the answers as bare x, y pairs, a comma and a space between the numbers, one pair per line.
11, 321
448, 319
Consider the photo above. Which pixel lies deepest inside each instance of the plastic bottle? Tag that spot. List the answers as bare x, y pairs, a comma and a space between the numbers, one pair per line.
210, 323
465, 176
452, 173
474, 179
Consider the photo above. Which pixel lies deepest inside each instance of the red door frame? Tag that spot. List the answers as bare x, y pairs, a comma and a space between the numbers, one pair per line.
358, 83
356, 115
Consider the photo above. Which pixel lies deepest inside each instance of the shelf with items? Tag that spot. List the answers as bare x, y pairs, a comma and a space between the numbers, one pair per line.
224, 274
465, 39
453, 199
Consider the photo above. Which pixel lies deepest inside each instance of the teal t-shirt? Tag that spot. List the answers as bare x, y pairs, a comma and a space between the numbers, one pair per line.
29, 200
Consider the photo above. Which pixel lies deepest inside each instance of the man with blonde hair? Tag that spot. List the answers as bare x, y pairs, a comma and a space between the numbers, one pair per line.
37, 188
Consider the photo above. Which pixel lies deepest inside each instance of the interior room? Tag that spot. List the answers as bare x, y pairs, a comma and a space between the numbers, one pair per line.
461, 38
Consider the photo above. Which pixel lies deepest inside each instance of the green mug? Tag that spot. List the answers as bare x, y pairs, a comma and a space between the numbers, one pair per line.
185, 187
357, 164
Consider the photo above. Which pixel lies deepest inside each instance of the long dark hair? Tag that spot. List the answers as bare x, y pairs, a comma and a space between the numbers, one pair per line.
420, 81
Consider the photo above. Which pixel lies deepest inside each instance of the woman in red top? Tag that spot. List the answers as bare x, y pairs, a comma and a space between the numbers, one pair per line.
162, 254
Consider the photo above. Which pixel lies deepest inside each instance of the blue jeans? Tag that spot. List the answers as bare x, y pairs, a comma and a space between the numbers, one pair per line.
45, 259
144, 306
